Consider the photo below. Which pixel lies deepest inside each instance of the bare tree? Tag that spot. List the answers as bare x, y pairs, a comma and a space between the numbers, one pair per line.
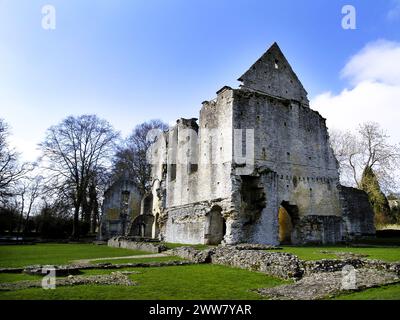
378, 154
90, 206
347, 151
368, 149
11, 171
29, 190
131, 157
72, 152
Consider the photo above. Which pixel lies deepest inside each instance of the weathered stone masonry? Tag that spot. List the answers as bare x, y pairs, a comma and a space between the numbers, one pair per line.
121, 206
205, 189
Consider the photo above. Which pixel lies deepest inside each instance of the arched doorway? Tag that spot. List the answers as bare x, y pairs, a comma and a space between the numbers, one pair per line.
287, 217
147, 204
215, 228
142, 230
142, 226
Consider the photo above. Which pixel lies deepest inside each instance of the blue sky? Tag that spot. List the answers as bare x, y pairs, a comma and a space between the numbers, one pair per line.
131, 61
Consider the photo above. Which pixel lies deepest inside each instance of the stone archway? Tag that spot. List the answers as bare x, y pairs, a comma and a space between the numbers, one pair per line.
147, 204
288, 217
215, 228
142, 230
142, 226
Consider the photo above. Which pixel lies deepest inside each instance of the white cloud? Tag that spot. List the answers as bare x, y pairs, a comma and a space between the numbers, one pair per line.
377, 61
374, 73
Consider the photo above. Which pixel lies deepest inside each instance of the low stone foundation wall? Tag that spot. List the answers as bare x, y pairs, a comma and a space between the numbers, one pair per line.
279, 264
126, 243
327, 265
77, 269
250, 257
192, 254
381, 265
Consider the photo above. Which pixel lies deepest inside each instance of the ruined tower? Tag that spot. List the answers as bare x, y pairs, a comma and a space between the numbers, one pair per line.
257, 168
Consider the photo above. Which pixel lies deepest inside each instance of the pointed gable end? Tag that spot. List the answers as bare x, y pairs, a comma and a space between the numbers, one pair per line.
273, 75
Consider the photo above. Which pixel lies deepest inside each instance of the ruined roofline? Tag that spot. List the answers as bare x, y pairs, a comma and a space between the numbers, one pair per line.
244, 89
269, 72
273, 46
187, 121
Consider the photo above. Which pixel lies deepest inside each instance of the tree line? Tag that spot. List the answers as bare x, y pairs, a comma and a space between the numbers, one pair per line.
60, 194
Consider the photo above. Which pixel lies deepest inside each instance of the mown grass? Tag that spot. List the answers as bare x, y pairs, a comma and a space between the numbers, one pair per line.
139, 260
314, 253
194, 282
391, 292
15, 277
54, 254
190, 282
177, 245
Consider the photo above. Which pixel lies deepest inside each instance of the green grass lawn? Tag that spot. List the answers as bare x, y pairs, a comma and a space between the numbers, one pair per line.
203, 281
139, 260
53, 254
391, 292
15, 277
181, 283
177, 245
314, 253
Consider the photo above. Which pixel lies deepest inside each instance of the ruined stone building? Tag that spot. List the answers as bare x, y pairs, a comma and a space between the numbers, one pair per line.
256, 167
121, 206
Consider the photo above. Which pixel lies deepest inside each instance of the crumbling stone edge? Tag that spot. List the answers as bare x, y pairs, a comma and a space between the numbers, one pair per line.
130, 243
74, 269
279, 264
258, 258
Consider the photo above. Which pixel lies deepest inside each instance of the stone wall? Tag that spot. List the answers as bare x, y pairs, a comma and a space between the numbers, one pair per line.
121, 242
292, 166
279, 264
121, 206
192, 254
292, 141
295, 165
318, 230
358, 216
189, 224
186, 224
327, 265
273, 75
209, 147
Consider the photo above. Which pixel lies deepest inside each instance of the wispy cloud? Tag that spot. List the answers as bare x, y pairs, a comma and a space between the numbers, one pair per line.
376, 62
374, 94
